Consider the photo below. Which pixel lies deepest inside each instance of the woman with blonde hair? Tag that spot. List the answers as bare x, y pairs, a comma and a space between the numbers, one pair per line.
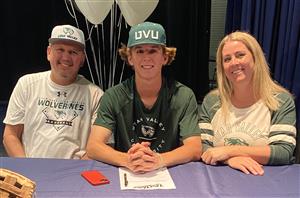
249, 121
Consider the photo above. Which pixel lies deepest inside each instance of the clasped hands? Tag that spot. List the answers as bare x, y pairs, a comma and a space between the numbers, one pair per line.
222, 154
142, 159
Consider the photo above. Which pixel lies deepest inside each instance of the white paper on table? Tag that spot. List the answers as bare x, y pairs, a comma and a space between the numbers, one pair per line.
158, 179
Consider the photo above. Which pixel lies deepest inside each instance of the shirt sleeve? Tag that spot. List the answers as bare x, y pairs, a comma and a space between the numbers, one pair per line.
206, 116
189, 122
16, 107
282, 138
105, 114
96, 103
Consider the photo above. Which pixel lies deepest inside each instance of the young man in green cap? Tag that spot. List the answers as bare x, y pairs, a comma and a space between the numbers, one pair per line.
152, 120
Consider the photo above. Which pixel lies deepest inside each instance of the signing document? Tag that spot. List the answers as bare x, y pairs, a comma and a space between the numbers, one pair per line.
158, 179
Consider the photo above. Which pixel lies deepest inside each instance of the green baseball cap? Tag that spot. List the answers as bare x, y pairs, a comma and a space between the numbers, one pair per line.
146, 33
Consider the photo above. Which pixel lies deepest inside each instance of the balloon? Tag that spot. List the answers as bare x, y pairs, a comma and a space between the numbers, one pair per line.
136, 11
94, 10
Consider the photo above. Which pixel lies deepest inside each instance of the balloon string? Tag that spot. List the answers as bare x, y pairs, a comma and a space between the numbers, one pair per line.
104, 57
89, 66
68, 7
74, 13
93, 49
121, 75
115, 56
99, 57
112, 54
111, 44
90, 31
88, 62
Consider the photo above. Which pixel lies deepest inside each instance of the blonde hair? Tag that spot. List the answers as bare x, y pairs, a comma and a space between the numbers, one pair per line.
264, 87
124, 52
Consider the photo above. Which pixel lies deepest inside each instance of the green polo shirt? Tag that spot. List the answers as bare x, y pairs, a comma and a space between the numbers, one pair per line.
172, 118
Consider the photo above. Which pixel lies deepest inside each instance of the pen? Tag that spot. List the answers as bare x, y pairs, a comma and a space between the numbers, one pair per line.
125, 180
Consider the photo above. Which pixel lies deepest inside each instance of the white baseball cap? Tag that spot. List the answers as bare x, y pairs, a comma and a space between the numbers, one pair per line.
67, 33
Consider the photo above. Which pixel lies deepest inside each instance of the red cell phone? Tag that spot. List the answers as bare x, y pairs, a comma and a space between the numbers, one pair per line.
94, 177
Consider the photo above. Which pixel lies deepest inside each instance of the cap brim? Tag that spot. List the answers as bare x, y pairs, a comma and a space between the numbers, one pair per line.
68, 41
146, 42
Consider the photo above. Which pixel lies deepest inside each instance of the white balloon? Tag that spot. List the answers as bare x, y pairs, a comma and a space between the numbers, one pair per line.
136, 11
94, 10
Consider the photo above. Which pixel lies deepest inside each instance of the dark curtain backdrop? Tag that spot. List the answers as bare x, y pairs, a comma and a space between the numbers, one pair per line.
26, 27
276, 25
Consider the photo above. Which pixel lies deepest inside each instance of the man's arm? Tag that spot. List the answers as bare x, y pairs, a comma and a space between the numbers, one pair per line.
12, 140
98, 149
190, 151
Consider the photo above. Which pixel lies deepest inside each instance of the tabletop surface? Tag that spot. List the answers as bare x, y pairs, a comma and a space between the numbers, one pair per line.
61, 178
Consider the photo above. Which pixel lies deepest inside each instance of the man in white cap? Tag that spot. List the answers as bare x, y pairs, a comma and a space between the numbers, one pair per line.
50, 113
153, 119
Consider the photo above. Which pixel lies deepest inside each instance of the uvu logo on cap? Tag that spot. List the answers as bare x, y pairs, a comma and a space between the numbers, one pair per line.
146, 33
67, 33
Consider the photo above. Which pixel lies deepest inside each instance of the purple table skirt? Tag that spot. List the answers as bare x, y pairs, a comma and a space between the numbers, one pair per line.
61, 178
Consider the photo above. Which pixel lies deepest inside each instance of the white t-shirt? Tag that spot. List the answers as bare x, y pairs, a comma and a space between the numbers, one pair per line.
243, 126
57, 119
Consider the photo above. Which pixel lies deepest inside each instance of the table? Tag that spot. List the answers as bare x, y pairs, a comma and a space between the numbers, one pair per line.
61, 178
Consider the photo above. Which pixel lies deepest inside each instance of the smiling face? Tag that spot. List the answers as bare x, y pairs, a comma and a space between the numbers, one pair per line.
147, 61
238, 64
65, 60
